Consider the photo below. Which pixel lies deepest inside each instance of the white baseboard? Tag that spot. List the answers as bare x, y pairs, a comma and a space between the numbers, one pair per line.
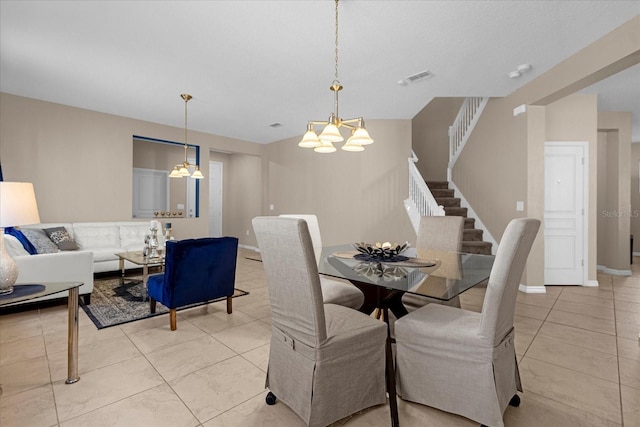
252, 248
592, 283
532, 289
613, 271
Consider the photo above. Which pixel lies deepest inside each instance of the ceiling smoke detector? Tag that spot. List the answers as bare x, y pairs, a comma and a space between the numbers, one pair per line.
519, 71
415, 78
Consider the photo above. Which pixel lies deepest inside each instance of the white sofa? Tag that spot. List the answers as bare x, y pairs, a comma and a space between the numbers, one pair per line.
98, 242
105, 239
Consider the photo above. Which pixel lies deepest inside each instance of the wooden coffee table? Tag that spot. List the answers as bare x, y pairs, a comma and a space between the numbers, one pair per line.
144, 261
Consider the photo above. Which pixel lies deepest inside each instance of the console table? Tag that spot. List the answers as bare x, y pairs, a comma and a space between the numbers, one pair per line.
28, 291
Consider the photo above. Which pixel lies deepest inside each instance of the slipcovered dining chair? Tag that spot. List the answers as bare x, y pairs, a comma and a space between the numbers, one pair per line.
442, 233
333, 291
196, 271
465, 362
326, 361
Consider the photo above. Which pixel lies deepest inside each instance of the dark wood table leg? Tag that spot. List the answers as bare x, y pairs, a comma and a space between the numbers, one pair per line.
391, 374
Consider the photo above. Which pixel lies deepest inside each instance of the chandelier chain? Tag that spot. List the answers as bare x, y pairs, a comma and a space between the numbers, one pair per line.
336, 70
186, 100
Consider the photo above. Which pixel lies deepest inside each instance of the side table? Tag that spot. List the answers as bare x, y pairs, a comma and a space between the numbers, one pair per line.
28, 291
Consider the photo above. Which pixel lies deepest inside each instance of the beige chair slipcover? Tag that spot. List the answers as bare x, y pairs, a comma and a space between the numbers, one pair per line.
333, 291
461, 361
325, 361
443, 233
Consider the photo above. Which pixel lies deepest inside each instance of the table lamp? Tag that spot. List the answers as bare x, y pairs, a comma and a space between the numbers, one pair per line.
17, 207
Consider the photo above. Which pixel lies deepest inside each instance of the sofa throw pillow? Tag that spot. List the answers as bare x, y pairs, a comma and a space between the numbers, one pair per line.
13, 246
26, 244
40, 241
61, 237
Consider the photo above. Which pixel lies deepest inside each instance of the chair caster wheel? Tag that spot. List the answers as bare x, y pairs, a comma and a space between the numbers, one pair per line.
270, 399
515, 401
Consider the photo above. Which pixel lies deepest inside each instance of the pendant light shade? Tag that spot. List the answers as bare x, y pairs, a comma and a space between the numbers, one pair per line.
352, 144
310, 139
326, 147
361, 137
197, 174
331, 134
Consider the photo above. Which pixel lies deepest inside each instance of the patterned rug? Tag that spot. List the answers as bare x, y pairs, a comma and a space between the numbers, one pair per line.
114, 303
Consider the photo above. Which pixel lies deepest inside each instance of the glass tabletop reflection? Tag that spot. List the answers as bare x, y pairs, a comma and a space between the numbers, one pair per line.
437, 274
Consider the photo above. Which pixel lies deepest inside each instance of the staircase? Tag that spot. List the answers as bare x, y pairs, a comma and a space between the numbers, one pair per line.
472, 238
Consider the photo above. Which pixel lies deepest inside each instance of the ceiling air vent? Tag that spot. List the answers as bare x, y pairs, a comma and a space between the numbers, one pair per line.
275, 125
415, 78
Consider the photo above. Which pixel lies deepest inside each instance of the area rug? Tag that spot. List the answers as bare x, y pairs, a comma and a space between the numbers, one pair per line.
114, 302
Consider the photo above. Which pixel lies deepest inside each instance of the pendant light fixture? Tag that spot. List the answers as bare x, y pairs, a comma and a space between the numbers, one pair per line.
331, 132
182, 169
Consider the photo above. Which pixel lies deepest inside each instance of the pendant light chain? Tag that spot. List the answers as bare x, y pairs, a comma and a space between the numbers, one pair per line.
181, 170
186, 100
336, 71
323, 143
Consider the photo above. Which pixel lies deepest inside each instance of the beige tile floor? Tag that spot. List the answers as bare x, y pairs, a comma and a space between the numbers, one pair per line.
578, 349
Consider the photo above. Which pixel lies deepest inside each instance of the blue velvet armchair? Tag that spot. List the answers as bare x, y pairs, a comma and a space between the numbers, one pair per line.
196, 271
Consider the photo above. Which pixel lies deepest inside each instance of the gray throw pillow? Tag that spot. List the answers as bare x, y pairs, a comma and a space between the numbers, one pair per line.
61, 237
40, 240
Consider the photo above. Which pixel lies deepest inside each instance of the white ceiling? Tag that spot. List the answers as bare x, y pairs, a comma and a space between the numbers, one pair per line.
249, 64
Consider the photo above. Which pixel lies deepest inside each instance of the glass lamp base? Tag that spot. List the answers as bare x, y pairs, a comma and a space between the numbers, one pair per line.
6, 291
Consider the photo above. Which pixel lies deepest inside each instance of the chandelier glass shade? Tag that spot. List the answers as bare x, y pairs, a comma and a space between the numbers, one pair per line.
182, 169
323, 143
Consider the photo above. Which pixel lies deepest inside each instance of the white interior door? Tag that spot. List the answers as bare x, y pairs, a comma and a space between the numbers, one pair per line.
565, 193
150, 192
215, 199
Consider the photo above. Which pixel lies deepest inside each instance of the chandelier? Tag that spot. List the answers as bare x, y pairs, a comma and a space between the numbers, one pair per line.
323, 143
182, 169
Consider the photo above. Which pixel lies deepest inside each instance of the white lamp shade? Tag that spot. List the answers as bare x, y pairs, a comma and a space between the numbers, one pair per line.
326, 147
330, 133
361, 137
352, 146
17, 204
197, 174
310, 140
175, 173
184, 171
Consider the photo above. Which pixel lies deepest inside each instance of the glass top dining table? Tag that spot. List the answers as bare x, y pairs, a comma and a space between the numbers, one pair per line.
436, 274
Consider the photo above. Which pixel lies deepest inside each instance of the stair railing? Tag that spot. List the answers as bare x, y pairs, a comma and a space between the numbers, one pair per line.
420, 202
462, 126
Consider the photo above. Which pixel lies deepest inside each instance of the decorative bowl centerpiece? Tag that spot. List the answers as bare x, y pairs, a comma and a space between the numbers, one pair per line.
381, 251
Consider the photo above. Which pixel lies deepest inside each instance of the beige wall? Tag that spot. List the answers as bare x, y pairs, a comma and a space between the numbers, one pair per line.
615, 216
491, 171
502, 162
635, 194
575, 119
356, 196
80, 161
430, 140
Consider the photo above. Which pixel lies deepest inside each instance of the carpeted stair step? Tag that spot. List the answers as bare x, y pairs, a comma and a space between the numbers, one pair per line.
483, 248
469, 223
448, 202
438, 185
455, 211
442, 192
472, 235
